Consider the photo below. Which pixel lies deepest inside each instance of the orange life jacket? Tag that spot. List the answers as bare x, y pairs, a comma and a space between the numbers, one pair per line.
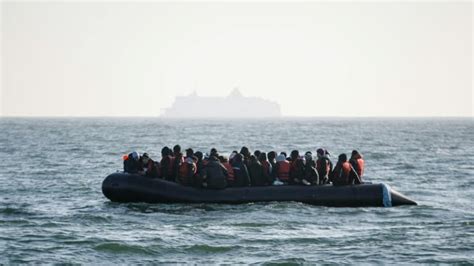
266, 167
346, 169
360, 168
283, 170
230, 171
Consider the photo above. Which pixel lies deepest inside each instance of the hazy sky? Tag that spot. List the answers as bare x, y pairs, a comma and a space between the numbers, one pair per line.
314, 58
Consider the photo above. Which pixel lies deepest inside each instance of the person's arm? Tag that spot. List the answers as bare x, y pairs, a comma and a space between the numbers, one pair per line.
226, 173
355, 176
245, 174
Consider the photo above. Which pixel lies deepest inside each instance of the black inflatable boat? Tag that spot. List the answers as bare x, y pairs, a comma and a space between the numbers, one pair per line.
123, 187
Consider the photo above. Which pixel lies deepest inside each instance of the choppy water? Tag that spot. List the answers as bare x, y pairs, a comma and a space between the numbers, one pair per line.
52, 209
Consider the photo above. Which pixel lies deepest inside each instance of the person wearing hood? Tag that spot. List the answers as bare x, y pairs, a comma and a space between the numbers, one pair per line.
199, 169
150, 167
310, 173
257, 172
296, 167
282, 169
323, 166
271, 159
344, 173
177, 162
230, 171
214, 174
166, 164
131, 163
267, 168
246, 153
358, 163
241, 174
188, 169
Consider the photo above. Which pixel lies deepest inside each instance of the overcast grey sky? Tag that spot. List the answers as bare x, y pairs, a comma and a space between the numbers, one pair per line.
314, 58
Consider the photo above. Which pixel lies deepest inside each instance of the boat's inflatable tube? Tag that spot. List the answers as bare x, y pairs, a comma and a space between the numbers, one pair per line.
123, 187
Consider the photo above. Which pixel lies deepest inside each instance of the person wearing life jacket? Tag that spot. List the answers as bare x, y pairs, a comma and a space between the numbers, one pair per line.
131, 163
214, 174
344, 173
296, 167
241, 174
282, 169
166, 164
187, 171
358, 163
150, 167
323, 166
267, 168
178, 159
230, 171
257, 172
310, 172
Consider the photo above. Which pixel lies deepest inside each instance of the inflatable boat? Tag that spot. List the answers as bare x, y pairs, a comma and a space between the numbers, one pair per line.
124, 187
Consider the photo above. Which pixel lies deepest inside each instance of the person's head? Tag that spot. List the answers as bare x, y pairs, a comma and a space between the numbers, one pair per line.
271, 155
134, 155
245, 151
320, 152
222, 159
189, 152
213, 152
232, 155
355, 155
294, 155
165, 151
308, 156
257, 153
198, 155
342, 157
263, 157
281, 158
238, 158
283, 153
145, 158
213, 158
253, 159
176, 149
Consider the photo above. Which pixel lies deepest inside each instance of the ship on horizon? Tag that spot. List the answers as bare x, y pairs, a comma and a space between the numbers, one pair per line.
235, 105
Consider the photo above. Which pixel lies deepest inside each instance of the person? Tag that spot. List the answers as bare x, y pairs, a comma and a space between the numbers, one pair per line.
199, 167
323, 166
358, 163
281, 172
214, 174
150, 167
178, 160
246, 153
344, 173
214, 153
267, 168
166, 164
230, 171
131, 163
257, 153
310, 173
231, 157
241, 174
187, 169
296, 167
256, 171
271, 158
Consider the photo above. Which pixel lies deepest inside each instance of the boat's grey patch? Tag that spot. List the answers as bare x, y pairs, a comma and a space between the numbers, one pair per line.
387, 197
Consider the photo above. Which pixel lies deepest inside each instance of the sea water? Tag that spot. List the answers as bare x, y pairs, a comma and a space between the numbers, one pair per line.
52, 209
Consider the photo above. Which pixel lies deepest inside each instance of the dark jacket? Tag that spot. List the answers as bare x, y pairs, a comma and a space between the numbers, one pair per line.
257, 174
215, 175
241, 174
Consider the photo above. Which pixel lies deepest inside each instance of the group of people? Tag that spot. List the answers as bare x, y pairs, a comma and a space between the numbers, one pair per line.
243, 168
